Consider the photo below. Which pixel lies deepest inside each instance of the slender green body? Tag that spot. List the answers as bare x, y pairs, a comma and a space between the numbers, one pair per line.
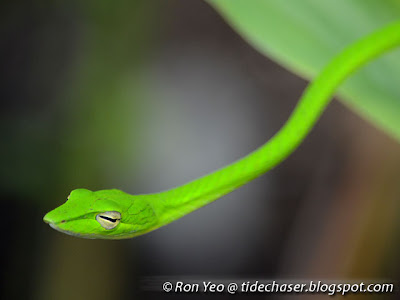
113, 214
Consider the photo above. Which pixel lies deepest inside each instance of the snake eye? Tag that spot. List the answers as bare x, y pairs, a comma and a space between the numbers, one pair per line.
109, 219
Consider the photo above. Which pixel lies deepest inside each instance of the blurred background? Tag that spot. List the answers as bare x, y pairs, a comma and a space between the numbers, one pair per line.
146, 95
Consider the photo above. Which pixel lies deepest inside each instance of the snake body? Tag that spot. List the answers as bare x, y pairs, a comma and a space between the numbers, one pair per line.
114, 214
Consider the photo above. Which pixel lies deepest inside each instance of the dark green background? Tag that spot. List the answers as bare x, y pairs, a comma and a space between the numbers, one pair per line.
146, 95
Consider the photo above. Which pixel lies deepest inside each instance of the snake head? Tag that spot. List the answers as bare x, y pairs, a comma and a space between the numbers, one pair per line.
105, 214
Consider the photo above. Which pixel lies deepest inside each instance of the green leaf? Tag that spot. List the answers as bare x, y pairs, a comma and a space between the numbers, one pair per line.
304, 35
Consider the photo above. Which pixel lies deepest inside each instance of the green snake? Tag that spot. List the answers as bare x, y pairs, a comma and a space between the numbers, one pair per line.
114, 214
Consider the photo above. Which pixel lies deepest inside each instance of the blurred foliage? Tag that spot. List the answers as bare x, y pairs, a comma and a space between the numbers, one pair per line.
304, 35
70, 93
